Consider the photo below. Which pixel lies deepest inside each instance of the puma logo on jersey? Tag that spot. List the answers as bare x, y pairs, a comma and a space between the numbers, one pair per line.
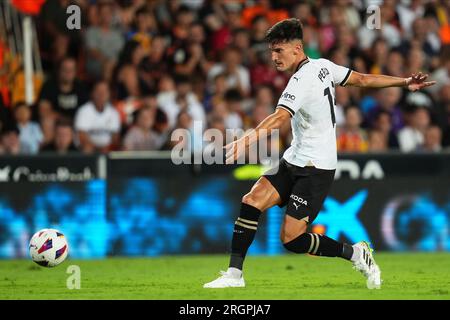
301, 201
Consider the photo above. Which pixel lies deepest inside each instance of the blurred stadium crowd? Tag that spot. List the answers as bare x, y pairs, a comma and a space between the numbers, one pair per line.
138, 69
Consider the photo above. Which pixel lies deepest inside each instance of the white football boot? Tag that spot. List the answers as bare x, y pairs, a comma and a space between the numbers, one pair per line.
367, 266
232, 278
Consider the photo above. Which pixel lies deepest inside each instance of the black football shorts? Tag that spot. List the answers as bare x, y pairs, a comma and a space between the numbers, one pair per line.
302, 189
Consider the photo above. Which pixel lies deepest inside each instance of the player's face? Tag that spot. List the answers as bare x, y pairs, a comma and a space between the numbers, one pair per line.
285, 55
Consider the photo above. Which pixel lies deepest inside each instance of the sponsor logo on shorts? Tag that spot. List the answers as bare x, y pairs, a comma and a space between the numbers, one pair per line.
301, 201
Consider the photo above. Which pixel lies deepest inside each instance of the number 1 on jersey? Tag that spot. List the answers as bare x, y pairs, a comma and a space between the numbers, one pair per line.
327, 92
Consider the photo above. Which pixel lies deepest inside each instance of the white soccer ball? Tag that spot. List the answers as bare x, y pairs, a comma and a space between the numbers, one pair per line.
48, 247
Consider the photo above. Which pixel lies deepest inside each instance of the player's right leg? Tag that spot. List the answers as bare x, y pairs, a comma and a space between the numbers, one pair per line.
261, 197
308, 195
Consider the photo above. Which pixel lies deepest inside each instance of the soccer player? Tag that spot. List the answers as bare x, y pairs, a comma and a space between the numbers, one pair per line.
306, 171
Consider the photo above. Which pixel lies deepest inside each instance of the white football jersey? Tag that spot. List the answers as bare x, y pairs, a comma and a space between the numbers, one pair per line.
310, 99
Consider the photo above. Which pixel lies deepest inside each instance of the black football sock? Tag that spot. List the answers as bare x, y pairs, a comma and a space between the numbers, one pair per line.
319, 245
243, 234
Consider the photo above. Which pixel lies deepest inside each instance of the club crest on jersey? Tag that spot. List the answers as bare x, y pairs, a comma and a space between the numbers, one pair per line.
288, 96
298, 199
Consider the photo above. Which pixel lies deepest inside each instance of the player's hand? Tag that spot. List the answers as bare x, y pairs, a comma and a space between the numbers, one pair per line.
417, 82
235, 150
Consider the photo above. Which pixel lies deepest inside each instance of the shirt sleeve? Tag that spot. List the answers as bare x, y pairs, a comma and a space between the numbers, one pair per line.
291, 96
115, 123
340, 73
81, 121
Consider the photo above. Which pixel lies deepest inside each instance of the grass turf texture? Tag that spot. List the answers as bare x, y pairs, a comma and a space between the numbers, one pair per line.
406, 276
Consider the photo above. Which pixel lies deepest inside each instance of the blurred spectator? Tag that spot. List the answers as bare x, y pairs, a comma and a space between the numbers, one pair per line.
218, 123
395, 64
351, 137
10, 141
154, 66
408, 12
411, 137
184, 17
259, 113
259, 27
231, 110
422, 38
190, 138
187, 56
182, 99
47, 118
388, 100
65, 93
377, 141
332, 17
166, 90
238, 76
387, 28
140, 137
215, 15
432, 139
215, 136
217, 96
64, 139
442, 74
264, 95
30, 133
416, 61
380, 53
97, 122
303, 11
311, 42
143, 30
161, 128
383, 125
103, 44
127, 79
241, 39
56, 40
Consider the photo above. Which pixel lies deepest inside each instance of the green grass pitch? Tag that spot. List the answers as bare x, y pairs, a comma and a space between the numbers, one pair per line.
288, 277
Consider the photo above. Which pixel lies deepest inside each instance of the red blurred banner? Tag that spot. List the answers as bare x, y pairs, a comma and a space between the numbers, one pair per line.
32, 7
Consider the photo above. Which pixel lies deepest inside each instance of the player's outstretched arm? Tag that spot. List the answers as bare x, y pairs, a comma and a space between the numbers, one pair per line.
237, 148
413, 83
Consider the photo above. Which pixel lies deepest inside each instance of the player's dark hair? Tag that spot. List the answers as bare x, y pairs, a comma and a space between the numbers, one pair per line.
285, 31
